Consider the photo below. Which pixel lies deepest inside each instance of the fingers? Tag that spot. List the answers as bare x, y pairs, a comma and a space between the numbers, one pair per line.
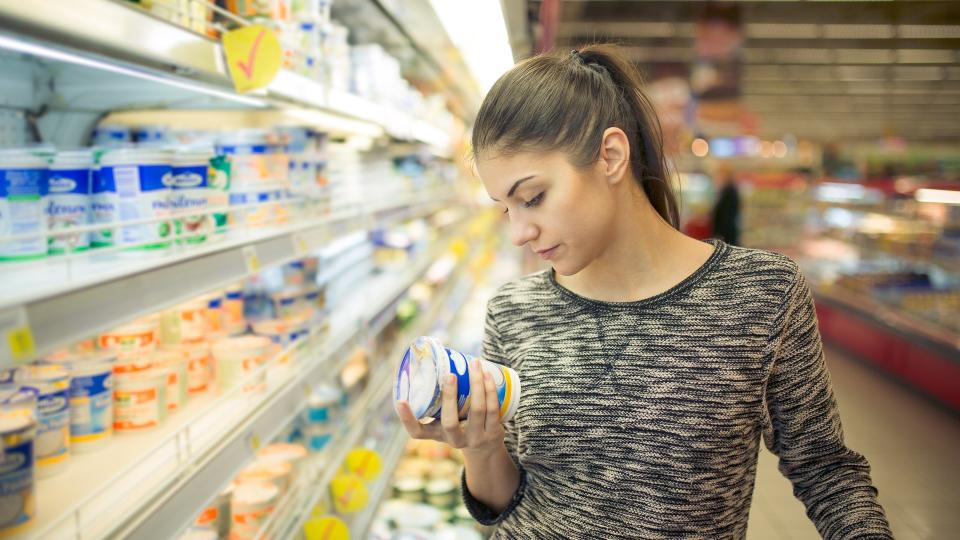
478, 401
413, 426
449, 413
493, 403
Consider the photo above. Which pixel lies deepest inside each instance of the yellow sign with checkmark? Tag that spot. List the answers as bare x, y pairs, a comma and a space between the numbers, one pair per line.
253, 56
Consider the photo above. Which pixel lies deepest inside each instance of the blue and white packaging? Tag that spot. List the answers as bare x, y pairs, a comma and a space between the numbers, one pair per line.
142, 178
103, 208
17, 460
24, 184
68, 200
52, 447
91, 402
190, 196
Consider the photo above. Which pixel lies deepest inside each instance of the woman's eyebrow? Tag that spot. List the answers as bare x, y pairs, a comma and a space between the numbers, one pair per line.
515, 186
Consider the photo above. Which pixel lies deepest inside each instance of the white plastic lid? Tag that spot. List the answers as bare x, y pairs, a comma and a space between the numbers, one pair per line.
243, 137
254, 493
136, 156
21, 158
193, 155
73, 159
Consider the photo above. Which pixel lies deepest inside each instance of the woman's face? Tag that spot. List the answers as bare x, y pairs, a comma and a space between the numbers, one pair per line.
563, 214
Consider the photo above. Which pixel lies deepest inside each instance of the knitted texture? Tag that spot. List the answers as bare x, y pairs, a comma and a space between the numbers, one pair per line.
644, 419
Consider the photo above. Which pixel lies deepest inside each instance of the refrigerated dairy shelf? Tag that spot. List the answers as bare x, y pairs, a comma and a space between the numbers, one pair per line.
66, 303
119, 38
150, 485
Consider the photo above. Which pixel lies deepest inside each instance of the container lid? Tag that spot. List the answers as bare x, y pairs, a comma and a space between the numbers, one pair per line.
440, 486
281, 451
408, 483
89, 364
43, 372
73, 159
193, 154
419, 375
254, 493
22, 157
147, 376
240, 343
265, 470
136, 156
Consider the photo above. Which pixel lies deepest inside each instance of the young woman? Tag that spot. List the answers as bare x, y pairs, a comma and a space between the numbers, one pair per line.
651, 363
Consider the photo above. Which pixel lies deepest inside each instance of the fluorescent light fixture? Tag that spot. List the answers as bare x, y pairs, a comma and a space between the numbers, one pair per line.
942, 196
34, 49
333, 122
478, 29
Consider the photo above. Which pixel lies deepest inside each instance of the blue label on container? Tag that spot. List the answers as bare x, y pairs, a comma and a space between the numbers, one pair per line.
142, 193
243, 149
459, 366
191, 177
91, 406
54, 424
17, 484
75, 181
26, 183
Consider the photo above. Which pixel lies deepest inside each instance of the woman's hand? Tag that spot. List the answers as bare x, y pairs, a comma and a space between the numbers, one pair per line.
480, 433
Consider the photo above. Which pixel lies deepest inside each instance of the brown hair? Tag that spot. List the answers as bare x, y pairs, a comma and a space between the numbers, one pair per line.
565, 102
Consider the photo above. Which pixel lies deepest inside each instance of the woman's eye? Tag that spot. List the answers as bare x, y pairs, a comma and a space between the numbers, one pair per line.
534, 201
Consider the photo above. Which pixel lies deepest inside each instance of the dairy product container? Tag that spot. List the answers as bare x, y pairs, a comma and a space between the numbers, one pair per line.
52, 445
18, 429
103, 207
294, 454
217, 514
149, 134
237, 357
191, 193
250, 507
111, 135
233, 321
68, 200
219, 180
322, 404
174, 364
262, 205
193, 320
273, 472
91, 401
140, 401
248, 152
426, 363
140, 337
199, 367
142, 178
214, 314
24, 183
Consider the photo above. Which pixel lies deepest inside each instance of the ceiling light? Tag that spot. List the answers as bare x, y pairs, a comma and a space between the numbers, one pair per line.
700, 148
942, 196
487, 52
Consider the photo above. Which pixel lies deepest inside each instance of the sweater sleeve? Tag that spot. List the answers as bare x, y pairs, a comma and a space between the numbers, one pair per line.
493, 351
802, 427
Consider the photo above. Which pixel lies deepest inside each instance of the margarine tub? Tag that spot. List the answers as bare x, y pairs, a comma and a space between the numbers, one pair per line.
140, 401
250, 507
199, 367
18, 500
24, 183
427, 362
142, 178
174, 364
273, 472
237, 357
190, 197
52, 446
91, 401
139, 338
68, 200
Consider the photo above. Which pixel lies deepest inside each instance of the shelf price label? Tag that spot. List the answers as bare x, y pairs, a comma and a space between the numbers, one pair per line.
300, 246
18, 345
253, 56
251, 259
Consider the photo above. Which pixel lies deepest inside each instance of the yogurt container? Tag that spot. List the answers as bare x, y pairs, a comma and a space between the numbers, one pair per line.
294, 454
138, 338
237, 357
233, 321
191, 193
140, 401
52, 383
199, 367
103, 208
217, 514
272, 472
218, 179
261, 205
24, 182
68, 200
193, 321
173, 362
91, 402
249, 154
142, 178
322, 404
18, 500
427, 362
250, 507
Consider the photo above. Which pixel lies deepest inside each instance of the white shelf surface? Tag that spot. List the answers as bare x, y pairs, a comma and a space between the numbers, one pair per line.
128, 38
149, 485
72, 300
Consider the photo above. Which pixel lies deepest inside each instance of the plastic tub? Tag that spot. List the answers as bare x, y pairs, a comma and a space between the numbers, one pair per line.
248, 152
214, 314
17, 485
233, 321
199, 370
174, 364
68, 200
427, 362
139, 338
250, 507
111, 135
236, 357
142, 179
273, 472
322, 405
52, 382
23, 190
140, 401
294, 454
103, 208
190, 194
91, 402
217, 514
193, 321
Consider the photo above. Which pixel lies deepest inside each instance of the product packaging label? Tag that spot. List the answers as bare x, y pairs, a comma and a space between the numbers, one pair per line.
103, 207
53, 433
143, 192
22, 194
17, 496
68, 206
190, 193
91, 407
137, 409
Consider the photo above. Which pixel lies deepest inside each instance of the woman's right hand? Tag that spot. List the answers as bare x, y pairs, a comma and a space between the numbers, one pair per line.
480, 433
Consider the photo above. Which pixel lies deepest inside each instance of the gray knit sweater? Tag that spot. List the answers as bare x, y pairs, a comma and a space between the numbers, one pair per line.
644, 419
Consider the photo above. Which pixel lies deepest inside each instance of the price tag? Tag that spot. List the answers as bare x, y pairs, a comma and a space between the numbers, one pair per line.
300, 246
18, 345
251, 259
253, 56
254, 442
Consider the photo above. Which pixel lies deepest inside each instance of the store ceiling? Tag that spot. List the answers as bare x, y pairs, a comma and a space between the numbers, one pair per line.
829, 71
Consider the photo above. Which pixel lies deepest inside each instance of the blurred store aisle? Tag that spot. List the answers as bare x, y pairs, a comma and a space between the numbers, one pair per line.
913, 447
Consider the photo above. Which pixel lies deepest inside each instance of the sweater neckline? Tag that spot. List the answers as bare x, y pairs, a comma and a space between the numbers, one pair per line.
720, 250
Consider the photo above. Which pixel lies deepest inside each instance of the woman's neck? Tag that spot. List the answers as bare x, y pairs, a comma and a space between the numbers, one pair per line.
645, 257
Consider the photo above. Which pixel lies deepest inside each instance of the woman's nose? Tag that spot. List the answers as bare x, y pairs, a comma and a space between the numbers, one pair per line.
522, 232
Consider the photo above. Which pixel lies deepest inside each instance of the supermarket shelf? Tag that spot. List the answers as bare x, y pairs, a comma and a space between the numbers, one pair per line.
391, 457
62, 308
179, 467
115, 37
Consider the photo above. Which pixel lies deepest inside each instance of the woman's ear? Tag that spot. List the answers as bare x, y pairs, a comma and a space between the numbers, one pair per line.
615, 154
